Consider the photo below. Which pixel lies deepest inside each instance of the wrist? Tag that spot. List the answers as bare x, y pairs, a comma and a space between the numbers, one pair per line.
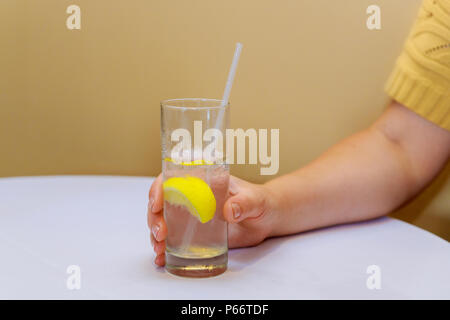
272, 210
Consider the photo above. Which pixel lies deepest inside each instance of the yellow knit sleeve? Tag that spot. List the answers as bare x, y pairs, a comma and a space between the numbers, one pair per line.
421, 77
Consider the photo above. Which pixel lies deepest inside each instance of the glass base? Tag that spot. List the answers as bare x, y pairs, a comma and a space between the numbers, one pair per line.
196, 268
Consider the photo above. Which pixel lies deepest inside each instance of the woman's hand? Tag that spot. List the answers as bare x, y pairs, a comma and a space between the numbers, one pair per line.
249, 211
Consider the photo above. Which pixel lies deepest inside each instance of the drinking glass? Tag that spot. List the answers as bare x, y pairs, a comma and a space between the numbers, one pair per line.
192, 136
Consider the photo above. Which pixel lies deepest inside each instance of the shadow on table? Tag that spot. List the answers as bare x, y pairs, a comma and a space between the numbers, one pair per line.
148, 267
244, 257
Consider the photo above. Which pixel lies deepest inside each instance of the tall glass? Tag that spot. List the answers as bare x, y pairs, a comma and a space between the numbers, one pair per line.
195, 248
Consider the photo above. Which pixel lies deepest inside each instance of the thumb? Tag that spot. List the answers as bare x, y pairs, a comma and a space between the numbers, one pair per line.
246, 202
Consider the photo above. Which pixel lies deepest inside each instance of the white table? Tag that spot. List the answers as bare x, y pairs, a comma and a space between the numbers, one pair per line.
99, 224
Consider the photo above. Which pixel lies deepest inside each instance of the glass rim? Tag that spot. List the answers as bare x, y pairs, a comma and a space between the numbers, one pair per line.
167, 103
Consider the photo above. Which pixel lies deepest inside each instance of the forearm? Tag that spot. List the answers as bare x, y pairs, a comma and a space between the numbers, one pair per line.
355, 180
363, 177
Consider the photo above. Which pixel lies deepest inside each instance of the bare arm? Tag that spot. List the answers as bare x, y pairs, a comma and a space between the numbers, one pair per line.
365, 176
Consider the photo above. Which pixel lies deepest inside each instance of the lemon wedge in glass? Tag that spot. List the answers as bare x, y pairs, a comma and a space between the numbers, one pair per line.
192, 193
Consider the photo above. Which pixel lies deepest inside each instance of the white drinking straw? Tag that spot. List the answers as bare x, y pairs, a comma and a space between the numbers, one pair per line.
230, 80
232, 73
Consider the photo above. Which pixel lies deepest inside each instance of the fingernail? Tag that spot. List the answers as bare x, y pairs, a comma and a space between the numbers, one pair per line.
150, 204
236, 211
155, 230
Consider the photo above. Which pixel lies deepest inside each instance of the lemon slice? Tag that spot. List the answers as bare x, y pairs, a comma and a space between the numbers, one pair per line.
192, 193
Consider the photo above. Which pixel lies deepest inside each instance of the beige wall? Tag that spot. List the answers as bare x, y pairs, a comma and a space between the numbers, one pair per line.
87, 101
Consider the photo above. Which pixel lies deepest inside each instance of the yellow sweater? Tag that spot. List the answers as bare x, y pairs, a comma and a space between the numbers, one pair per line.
421, 77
